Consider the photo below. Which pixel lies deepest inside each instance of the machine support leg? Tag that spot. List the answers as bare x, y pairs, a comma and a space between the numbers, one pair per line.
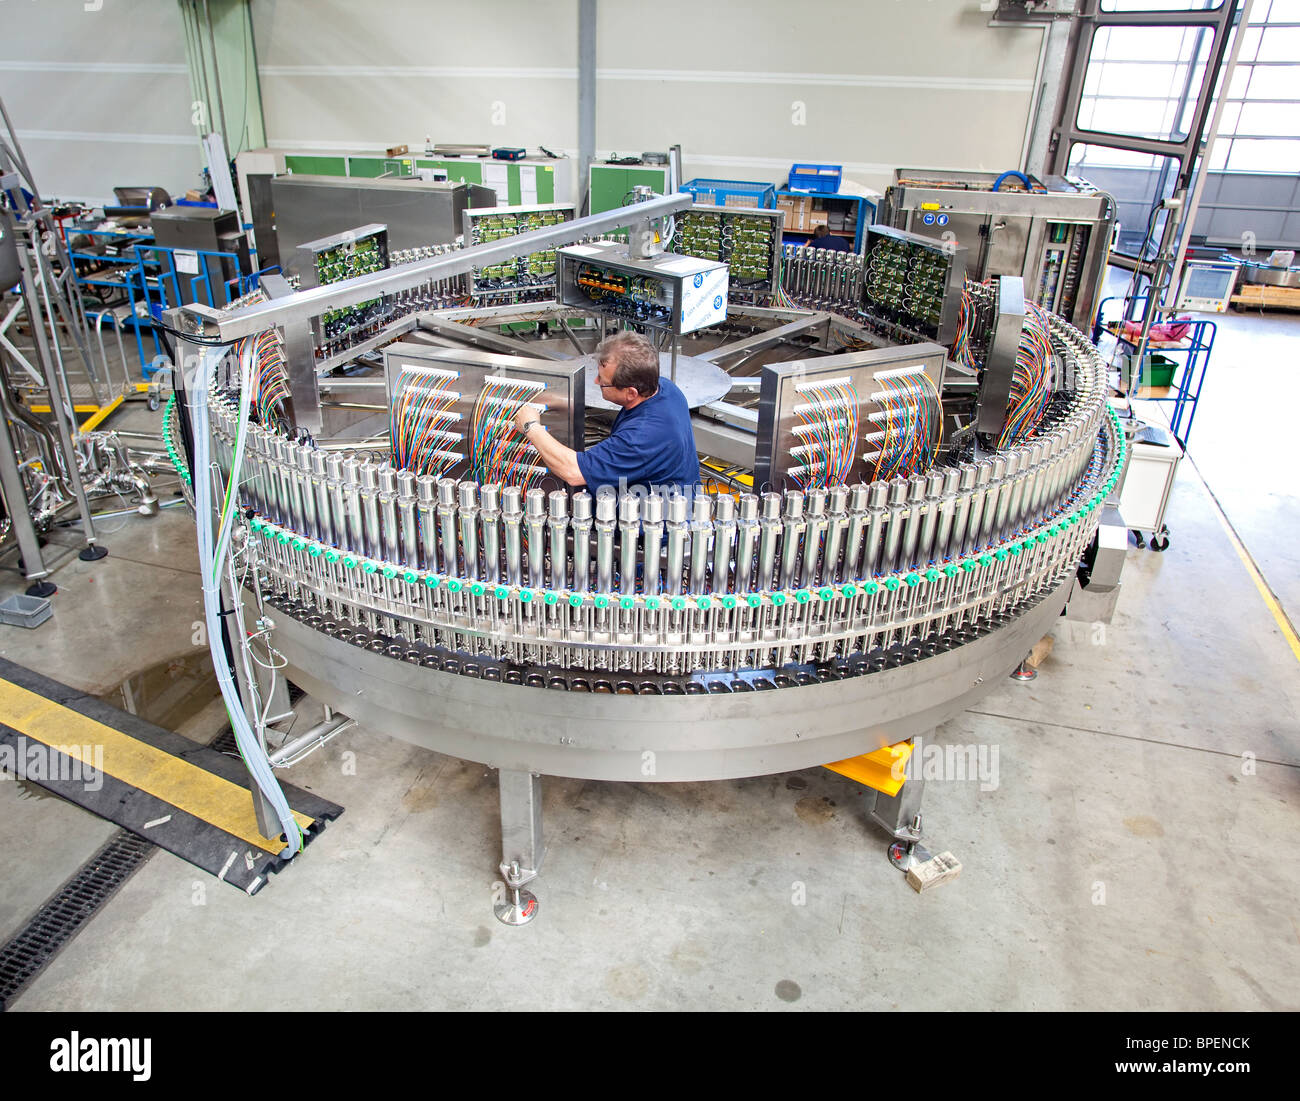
1024, 671
21, 519
900, 815
521, 844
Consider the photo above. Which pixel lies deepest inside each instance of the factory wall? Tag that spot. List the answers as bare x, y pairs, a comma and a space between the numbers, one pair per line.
334, 77
101, 96
746, 91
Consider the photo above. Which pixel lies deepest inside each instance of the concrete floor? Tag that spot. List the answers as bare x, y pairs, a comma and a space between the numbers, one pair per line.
1127, 858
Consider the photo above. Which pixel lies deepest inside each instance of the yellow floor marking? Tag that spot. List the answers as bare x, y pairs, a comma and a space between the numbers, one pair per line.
1280, 617
185, 786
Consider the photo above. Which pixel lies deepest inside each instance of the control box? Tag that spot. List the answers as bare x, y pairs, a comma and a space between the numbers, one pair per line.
679, 294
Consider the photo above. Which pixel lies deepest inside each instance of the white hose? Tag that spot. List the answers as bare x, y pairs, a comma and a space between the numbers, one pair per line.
250, 747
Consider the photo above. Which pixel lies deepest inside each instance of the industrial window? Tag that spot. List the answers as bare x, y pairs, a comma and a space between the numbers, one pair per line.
1143, 81
1138, 182
1160, 5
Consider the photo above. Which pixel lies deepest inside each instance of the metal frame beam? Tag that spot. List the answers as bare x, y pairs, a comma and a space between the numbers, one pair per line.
228, 326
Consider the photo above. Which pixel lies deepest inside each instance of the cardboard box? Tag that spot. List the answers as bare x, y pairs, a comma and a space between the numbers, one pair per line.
396, 151
817, 218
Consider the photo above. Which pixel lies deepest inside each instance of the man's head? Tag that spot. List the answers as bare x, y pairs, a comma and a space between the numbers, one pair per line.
820, 232
627, 369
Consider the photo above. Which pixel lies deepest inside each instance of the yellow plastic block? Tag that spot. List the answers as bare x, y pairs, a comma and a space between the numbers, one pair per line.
881, 769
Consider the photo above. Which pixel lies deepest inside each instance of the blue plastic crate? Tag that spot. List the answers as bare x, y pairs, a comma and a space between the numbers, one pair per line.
823, 178
732, 192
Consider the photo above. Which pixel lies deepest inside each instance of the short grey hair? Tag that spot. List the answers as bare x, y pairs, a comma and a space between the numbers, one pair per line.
635, 359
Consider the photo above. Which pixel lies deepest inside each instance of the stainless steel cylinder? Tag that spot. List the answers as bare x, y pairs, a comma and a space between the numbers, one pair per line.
467, 513
701, 535
490, 524
512, 525
652, 535
535, 525
606, 521
582, 514
768, 535
747, 529
558, 524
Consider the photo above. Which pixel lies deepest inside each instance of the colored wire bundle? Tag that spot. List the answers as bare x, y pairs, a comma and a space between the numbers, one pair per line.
422, 414
499, 455
270, 378
911, 420
827, 434
962, 352
1031, 383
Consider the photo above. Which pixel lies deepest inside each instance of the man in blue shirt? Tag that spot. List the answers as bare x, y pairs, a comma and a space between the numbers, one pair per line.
651, 443
823, 238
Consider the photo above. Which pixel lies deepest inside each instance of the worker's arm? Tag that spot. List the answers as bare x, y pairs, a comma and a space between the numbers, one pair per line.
560, 460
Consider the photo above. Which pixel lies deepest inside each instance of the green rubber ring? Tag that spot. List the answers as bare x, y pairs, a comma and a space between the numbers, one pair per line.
626, 603
1000, 555
478, 588
703, 603
315, 550
1015, 548
410, 577
950, 570
849, 590
299, 543
550, 597
525, 595
778, 599
892, 583
678, 602
985, 560
967, 564
454, 585
369, 567
431, 580
601, 601
826, 593
282, 537
331, 555
728, 601
912, 579
652, 603
256, 524
349, 562
870, 588
803, 596
390, 572
575, 600
501, 592
753, 600
932, 574
1040, 538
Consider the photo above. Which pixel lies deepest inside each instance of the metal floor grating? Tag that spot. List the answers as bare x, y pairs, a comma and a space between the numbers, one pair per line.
62, 917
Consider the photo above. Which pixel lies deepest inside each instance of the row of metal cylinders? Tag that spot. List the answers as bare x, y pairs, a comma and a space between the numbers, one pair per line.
701, 544
823, 274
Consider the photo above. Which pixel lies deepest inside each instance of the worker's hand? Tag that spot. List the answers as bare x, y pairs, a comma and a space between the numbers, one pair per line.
525, 416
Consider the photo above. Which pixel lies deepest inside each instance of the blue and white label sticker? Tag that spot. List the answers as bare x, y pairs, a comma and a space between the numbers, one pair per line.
704, 299
928, 219
942, 219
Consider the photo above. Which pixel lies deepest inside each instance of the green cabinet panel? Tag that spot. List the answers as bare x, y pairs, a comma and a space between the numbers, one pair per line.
610, 183
316, 166
366, 168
